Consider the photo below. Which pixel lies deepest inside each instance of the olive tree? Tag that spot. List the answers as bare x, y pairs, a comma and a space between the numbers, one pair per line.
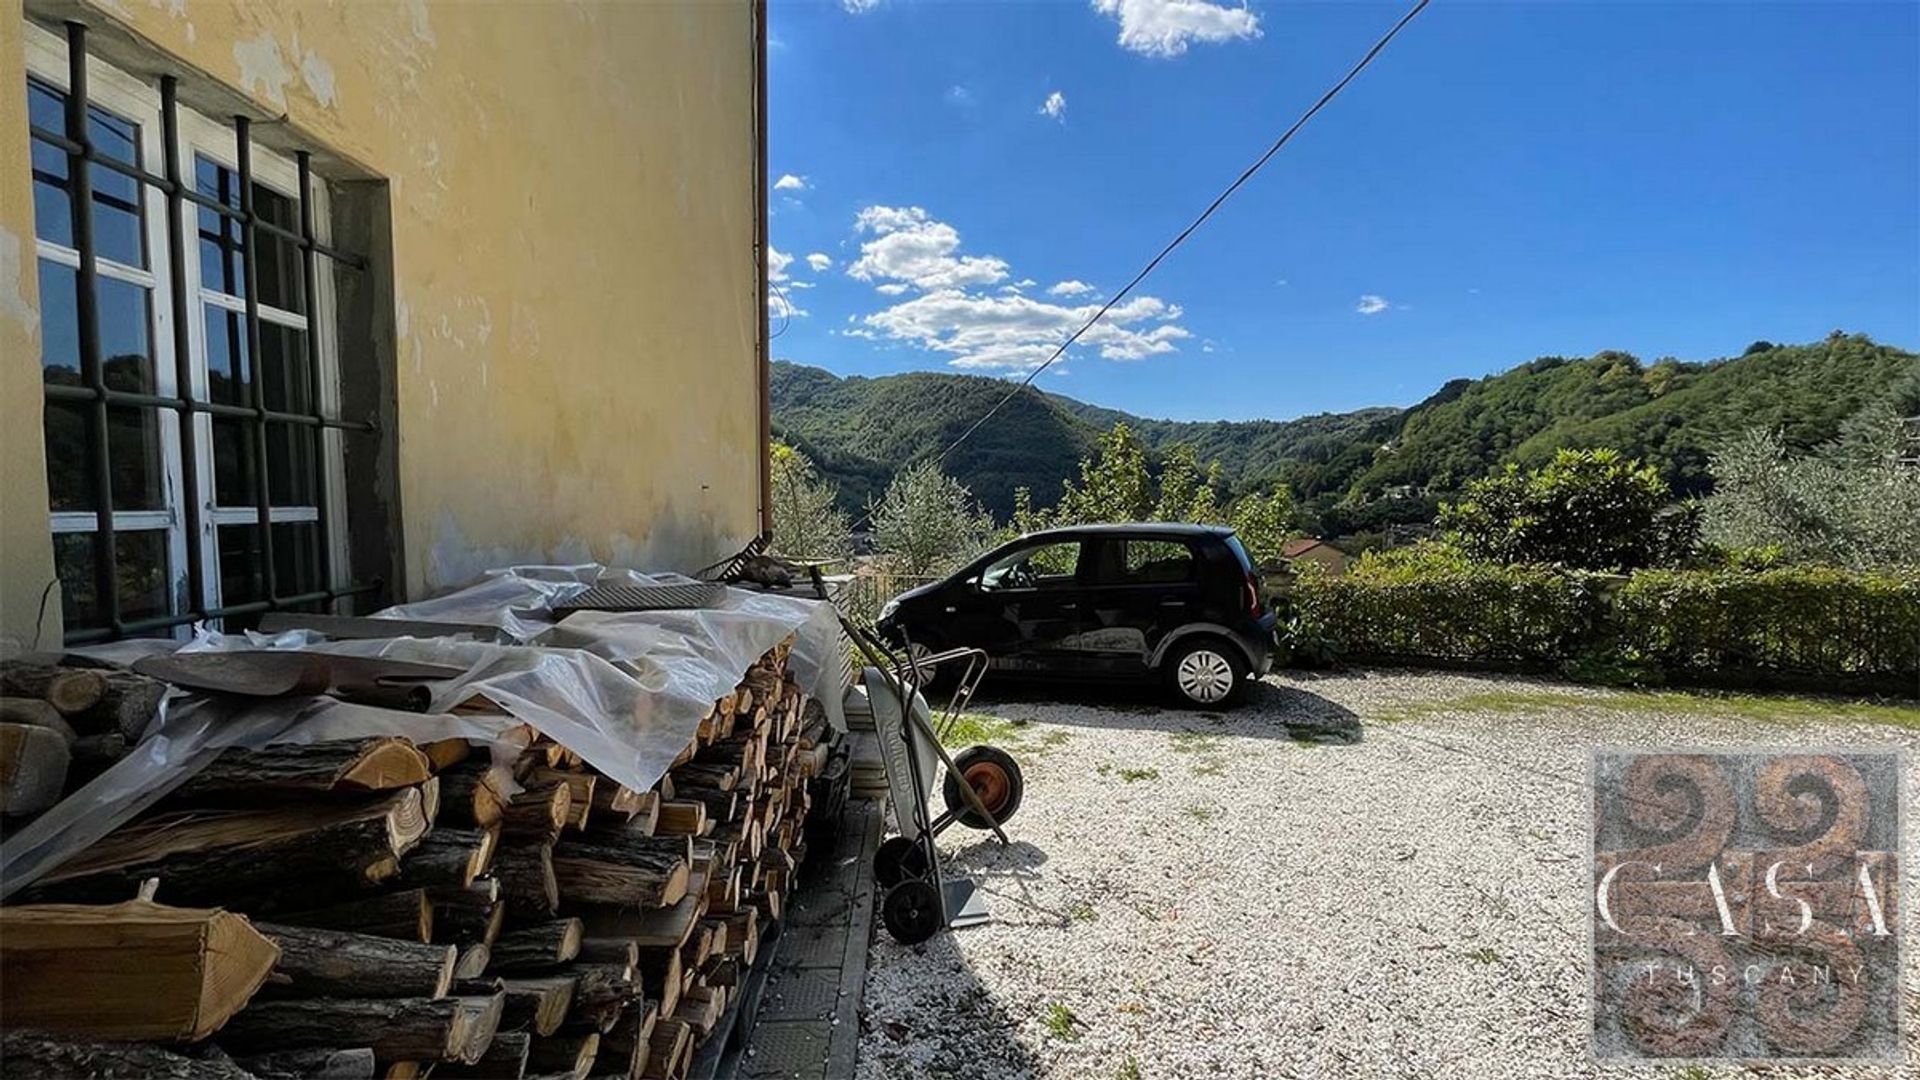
928, 523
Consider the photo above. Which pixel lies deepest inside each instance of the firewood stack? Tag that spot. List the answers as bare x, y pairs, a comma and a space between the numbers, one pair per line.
532, 918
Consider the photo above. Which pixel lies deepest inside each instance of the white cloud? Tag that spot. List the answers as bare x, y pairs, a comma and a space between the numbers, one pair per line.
911, 247
1165, 27
1372, 305
1012, 332
1055, 107
956, 313
819, 261
780, 307
790, 182
858, 7
959, 96
777, 263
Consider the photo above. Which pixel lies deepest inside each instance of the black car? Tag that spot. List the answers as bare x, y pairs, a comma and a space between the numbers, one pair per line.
1177, 602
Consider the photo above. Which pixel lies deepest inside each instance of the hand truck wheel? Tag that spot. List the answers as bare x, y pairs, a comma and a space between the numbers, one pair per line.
995, 778
899, 859
911, 911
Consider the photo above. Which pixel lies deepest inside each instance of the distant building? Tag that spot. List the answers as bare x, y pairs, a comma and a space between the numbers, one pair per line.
1308, 549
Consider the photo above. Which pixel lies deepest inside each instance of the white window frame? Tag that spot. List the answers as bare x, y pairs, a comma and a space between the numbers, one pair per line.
138, 102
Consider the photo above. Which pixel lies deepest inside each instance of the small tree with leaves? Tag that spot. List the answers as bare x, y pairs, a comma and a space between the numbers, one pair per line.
807, 523
1263, 523
1114, 483
927, 523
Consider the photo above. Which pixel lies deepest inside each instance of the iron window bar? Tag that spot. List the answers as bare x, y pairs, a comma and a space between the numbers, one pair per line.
187, 191
81, 156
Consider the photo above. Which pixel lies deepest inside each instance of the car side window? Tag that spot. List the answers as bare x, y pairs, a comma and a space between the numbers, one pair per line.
1158, 562
1042, 566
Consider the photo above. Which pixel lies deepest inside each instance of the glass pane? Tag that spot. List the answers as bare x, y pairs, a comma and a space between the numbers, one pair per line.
52, 209
1042, 566
227, 367
133, 445
219, 235
59, 324
279, 265
283, 368
296, 558
241, 578
1158, 561
233, 457
290, 464
126, 335
69, 484
133, 448
119, 217
144, 576
119, 213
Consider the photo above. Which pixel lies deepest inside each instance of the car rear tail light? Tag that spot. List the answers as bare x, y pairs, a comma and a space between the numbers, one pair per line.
1253, 595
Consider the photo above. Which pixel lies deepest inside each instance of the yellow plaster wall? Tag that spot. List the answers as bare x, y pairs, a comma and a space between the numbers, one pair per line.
573, 220
26, 548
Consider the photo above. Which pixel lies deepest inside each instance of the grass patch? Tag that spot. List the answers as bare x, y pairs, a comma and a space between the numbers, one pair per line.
1080, 911
1691, 1072
1061, 1023
1202, 814
1128, 1070
1196, 742
1019, 737
1134, 775
1484, 955
1209, 767
1768, 708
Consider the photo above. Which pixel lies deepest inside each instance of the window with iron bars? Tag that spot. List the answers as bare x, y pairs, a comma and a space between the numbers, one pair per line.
189, 357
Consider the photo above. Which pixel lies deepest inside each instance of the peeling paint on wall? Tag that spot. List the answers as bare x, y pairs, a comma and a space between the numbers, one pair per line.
12, 303
417, 13
318, 75
261, 64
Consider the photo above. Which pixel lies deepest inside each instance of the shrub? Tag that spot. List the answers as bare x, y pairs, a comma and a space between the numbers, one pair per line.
1811, 627
1457, 613
1585, 510
1794, 621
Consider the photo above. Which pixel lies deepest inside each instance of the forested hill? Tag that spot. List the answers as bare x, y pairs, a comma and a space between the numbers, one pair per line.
1672, 414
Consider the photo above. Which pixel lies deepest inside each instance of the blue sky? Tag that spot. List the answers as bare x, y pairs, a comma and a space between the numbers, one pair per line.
1506, 181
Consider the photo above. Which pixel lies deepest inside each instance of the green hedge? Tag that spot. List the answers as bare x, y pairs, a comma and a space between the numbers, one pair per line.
1812, 627
1813, 621
1467, 613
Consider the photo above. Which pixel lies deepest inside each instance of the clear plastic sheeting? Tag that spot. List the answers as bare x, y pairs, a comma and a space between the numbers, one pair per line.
625, 690
192, 734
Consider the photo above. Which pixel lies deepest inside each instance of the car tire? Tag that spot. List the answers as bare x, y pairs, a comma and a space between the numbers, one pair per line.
941, 679
1205, 673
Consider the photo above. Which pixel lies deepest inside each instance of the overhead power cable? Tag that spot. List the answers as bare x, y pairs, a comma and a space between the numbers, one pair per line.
1246, 175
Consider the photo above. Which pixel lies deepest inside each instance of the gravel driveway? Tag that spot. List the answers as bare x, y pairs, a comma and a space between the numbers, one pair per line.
1197, 895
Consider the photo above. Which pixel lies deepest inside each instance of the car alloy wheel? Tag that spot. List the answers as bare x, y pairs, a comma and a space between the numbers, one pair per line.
1204, 676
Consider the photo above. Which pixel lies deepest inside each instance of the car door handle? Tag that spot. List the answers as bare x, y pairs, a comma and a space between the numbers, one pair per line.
950, 609
1173, 603
1069, 607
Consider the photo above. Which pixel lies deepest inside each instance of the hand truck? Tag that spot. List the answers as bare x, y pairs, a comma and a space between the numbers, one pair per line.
983, 787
